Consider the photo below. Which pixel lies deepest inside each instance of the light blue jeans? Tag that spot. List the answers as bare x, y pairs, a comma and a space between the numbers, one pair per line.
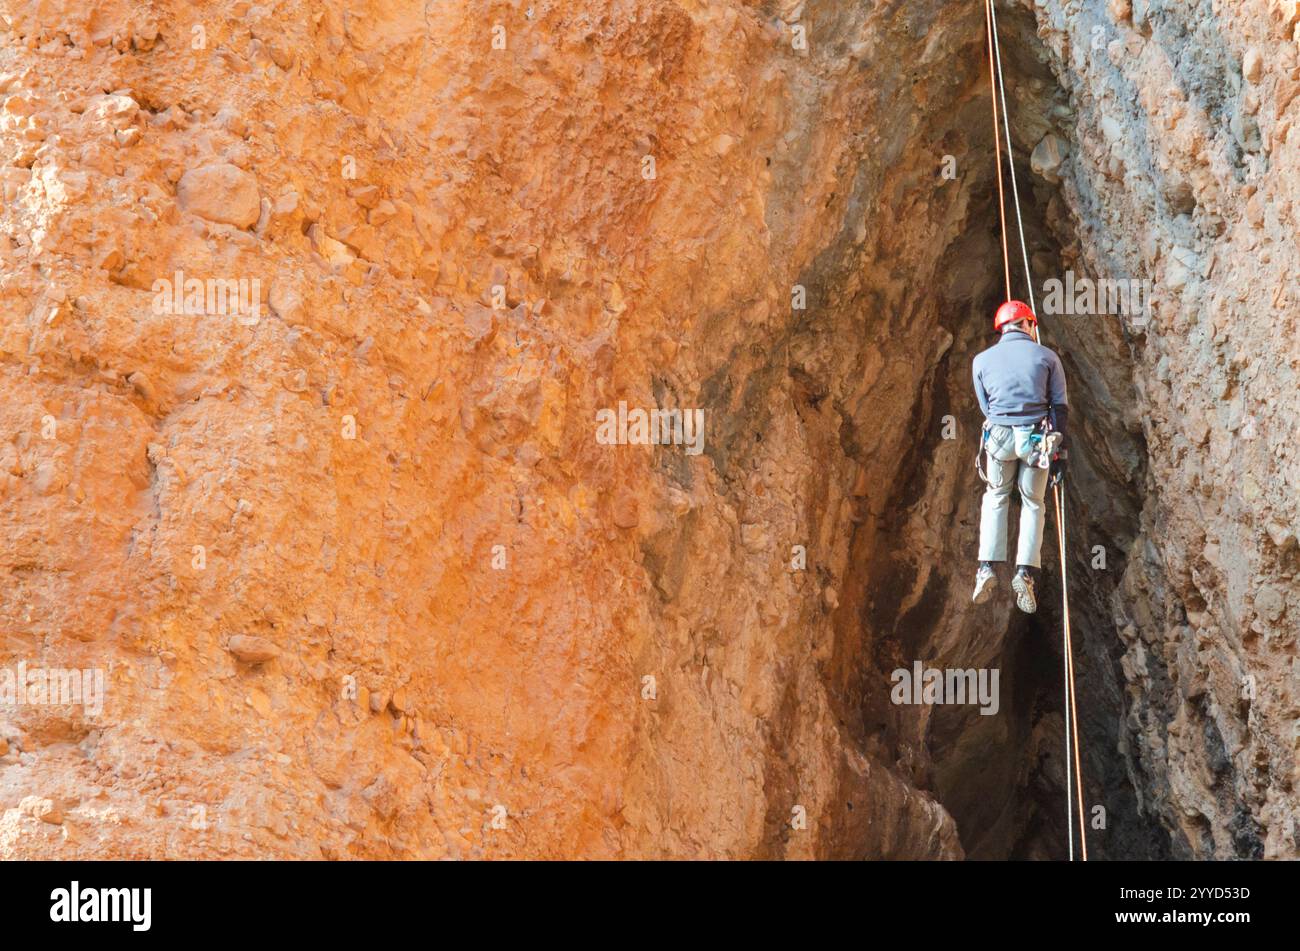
1007, 467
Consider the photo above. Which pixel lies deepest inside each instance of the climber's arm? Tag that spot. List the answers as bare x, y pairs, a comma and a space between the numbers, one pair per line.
1056, 383
1057, 396
1060, 417
979, 390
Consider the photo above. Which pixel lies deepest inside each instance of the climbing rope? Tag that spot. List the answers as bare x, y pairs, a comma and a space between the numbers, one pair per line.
1011, 162
1073, 783
997, 147
1073, 714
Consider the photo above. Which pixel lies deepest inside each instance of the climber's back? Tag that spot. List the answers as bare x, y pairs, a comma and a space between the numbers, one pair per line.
1018, 379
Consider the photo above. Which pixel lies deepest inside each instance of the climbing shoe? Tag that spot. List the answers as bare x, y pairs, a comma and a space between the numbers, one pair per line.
1023, 585
985, 582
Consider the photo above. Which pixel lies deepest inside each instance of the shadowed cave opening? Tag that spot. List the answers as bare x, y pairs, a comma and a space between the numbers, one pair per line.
1009, 798
1002, 777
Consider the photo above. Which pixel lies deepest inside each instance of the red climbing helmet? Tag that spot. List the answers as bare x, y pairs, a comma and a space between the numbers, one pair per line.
1012, 311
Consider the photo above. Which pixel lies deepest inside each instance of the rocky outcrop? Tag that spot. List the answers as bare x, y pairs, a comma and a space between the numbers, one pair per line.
312, 313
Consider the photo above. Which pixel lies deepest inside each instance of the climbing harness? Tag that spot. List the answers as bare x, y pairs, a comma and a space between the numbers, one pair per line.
1044, 442
1073, 783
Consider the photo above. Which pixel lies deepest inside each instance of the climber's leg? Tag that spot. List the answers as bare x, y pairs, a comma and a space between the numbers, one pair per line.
993, 510
1000, 466
1033, 514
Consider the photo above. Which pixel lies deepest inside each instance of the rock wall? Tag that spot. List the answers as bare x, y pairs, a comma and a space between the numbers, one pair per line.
1185, 175
362, 581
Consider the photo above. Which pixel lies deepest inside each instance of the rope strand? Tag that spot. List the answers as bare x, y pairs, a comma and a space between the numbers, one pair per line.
1069, 654
1066, 679
997, 147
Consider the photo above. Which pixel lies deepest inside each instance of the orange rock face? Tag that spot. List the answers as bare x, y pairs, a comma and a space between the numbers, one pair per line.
310, 316
310, 313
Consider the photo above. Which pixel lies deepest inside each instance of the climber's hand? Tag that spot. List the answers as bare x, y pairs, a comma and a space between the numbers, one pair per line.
1057, 469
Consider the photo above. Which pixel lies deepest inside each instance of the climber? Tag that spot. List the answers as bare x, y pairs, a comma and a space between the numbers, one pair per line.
1020, 385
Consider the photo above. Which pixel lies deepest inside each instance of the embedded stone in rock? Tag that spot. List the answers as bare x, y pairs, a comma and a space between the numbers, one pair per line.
1269, 603
333, 251
367, 196
1048, 156
222, 192
38, 807
1289, 11
1245, 129
753, 537
1281, 535
1182, 265
140, 383
1112, 129
1252, 66
46, 478
285, 300
230, 120
116, 112
1181, 198
252, 649
626, 511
